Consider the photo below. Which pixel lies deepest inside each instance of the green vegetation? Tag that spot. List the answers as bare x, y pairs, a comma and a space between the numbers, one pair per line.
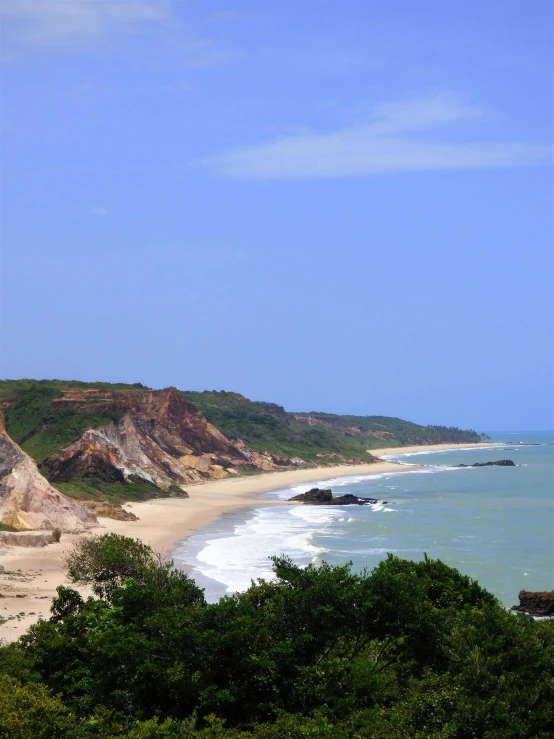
32, 712
14, 388
266, 426
7, 527
64, 426
40, 430
42, 425
114, 492
31, 406
407, 651
402, 432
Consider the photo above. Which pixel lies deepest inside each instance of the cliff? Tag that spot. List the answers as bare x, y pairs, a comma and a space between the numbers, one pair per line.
160, 440
27, 500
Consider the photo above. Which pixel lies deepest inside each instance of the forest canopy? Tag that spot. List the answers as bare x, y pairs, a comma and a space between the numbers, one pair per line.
410, 649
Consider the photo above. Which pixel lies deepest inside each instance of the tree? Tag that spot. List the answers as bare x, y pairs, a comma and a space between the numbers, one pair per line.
107, 561
411, 649
32, 712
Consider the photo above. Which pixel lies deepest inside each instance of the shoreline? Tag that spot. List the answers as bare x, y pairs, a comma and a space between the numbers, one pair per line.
32, 575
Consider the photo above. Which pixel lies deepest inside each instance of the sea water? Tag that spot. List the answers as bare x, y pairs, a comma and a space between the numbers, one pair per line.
494, 524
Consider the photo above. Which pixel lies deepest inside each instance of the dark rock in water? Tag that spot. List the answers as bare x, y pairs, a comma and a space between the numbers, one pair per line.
350, 499
499, 463
536, 604
315, 496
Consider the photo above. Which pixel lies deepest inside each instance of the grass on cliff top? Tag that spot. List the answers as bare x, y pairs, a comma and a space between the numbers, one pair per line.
31, 406
10, 389
112, 492
41, 431
403, 432
64, 426
268, 427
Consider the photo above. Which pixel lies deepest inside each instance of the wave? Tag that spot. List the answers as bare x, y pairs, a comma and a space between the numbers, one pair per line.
243, 554
236, 557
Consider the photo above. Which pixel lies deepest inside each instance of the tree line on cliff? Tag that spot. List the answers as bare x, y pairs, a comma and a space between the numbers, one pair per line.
411, 649
41, 431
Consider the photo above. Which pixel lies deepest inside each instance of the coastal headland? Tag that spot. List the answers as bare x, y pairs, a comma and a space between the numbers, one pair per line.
31, 575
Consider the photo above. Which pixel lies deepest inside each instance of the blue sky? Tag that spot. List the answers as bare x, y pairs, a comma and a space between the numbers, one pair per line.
341, 206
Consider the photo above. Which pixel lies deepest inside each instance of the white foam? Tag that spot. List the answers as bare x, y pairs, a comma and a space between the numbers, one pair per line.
244, 555
317, 514
303, 542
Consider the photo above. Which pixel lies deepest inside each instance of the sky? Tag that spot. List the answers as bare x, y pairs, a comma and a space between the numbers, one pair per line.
342, 206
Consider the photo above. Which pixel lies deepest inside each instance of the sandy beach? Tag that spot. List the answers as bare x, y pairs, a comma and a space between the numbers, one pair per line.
31, 576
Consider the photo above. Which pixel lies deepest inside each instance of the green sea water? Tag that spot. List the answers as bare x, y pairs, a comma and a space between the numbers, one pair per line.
493, 523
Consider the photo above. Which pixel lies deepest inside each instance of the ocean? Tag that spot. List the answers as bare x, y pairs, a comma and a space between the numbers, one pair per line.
494, 524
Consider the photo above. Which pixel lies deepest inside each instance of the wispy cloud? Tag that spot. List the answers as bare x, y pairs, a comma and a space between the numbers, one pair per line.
70, 22
397, 137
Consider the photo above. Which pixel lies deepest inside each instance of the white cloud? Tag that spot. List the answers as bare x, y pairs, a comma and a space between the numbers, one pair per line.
99, 210
399, 137
67, 22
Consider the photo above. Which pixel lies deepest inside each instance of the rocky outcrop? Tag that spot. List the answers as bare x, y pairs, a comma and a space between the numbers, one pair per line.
26, 540
350, 499
104, 509
160, 440
27, 500
536, 604
315, 496
499, 463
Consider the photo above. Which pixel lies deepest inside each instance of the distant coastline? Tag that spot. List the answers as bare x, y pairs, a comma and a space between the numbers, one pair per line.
165, 522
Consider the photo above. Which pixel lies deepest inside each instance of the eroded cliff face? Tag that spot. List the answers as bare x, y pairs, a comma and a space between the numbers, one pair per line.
160, 439
27, 500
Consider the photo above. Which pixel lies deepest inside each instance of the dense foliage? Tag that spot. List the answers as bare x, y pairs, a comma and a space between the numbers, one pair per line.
410, 650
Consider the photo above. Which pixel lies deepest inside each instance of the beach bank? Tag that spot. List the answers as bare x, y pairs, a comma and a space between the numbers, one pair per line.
32, 575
